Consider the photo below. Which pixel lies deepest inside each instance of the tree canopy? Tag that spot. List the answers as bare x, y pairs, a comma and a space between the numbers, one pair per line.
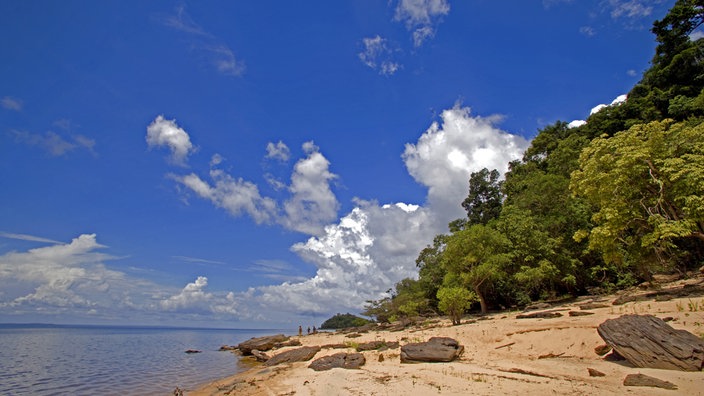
596, 207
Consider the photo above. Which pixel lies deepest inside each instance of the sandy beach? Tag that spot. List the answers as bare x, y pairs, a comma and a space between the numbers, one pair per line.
502, 355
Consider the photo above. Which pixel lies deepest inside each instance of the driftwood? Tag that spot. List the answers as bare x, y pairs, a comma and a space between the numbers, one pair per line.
580, 313
539, 315
644, 380
648, 342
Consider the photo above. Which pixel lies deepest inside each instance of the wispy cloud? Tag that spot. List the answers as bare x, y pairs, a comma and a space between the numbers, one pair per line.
421, 17
377, 54
587, 31
196, 260
629, 8
25, 237
53, 143
10, 103
219, 54
182, 21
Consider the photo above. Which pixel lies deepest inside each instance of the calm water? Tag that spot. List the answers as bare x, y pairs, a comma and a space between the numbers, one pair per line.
41, 360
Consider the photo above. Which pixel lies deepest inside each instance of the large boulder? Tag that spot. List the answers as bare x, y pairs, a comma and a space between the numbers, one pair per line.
648, 342
437, 349
261, 343
294, 355
338, 360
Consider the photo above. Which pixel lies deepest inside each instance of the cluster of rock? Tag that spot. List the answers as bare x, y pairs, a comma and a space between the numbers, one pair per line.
437, 349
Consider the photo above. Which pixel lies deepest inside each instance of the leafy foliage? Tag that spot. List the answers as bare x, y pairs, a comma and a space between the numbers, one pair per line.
484, 200
454, 301
603, 205
647, 183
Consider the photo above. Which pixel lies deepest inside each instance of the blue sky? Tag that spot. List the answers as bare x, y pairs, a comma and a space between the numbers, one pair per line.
270, 163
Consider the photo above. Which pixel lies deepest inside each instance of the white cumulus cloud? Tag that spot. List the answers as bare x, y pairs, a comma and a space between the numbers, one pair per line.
311, 204
367, 251
61, 276
617, 101
374, 246
166, 133
450, 150
194, 299
237, 196
278, 151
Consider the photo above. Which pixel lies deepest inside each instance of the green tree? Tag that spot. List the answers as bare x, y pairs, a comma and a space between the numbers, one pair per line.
454, 301
478, 257
483, 203
410, 299
341, 321
648, 186
430, 271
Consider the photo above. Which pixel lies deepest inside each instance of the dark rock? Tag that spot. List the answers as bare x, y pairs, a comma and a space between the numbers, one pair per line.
377, 346
289, 343
590, 306
580, 313
227, 348
648, 342
381, 357
338, 360
353, 335
614, 357
261, 343
644, 380
192, 351
259, 355
537, 306
539, 315
295, 355
668, 319
602, 350
595, 373
437, 349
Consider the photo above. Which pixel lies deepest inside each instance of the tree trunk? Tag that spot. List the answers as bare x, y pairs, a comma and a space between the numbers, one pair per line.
482, 300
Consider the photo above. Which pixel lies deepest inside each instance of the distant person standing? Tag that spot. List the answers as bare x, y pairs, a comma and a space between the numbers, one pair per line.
308, 330
300, 331
314, 330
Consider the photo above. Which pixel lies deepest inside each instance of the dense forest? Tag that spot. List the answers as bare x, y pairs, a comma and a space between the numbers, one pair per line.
588, 209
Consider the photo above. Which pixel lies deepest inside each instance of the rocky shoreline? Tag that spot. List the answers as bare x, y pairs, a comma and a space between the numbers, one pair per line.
554, 348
